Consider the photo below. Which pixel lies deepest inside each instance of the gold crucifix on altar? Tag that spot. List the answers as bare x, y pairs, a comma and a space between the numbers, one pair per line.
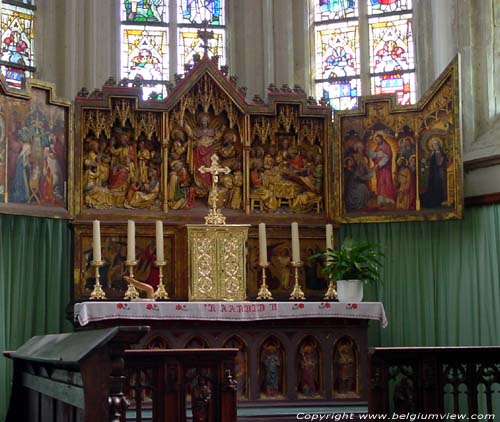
214, 216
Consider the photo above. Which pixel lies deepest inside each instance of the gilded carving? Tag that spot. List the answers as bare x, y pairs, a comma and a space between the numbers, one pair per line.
135, 154
204, 246
205, 122
287, 164
217, 262
122, 158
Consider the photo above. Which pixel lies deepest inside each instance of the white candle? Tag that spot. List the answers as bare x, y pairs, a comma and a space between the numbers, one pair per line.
295, 243
96, 240
262, 245
131, 241
329, 236
159, 241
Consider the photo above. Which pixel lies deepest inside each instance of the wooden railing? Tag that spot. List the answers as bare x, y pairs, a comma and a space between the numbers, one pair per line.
428, 380
175, 384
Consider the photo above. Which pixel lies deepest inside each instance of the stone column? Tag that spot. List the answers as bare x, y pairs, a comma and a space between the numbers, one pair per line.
77, 44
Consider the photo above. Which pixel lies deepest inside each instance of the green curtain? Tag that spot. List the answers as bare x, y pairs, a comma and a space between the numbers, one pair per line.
441, 281
441, 284
35, 280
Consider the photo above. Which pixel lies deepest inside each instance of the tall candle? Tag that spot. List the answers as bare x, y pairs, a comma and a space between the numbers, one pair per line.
96, 240
329, 236
262, 245
131, 241
295, 243
159, 241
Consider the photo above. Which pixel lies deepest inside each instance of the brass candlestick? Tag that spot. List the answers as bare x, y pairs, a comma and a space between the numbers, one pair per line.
264, 292
97, 292
331, 292
297, 292
131, 292
161, 292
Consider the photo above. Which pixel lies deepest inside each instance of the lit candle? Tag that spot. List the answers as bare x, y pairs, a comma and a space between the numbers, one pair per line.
295, 243
96, 240
159, 241
131, 241
262, 245
329, 236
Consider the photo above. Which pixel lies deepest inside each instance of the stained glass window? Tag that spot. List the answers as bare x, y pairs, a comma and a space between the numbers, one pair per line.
142, 11
386, 6
196, 15
341, 94
17, 58
380, 61
154, 48
190, 44
338, 52
197, 11
326, 10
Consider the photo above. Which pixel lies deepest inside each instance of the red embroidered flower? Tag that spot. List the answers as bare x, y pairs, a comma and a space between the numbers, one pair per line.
354, 306
149, 306
327, 305
178, 307
301, 305
119, 305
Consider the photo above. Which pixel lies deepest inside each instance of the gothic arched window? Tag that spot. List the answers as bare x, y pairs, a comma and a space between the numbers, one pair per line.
363, 47
159, 38
17, 58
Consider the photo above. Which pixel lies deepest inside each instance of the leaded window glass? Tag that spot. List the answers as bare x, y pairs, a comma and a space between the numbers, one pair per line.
17, 57
364, 47
193, 15
160, 38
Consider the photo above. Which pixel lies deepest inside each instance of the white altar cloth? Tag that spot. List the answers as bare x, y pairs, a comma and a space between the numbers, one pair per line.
86, 312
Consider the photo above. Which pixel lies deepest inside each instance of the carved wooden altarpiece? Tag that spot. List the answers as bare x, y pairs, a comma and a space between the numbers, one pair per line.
140, 160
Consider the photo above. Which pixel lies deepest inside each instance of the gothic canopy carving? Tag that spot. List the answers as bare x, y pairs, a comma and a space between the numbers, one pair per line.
145, 156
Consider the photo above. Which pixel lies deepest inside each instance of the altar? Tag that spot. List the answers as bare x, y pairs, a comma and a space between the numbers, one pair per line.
146, 174
307, 354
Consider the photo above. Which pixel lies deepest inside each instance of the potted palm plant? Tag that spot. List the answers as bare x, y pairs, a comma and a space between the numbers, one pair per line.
353, 263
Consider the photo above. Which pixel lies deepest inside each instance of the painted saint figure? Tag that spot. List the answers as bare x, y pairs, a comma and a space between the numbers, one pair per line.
309, 369
382, 159
21, 192
437, 186
271, 362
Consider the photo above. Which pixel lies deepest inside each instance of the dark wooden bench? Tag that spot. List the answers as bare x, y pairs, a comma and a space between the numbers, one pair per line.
71, 377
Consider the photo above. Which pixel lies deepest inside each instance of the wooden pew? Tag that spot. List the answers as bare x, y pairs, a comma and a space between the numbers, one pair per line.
71, 377
434, 380
166, 380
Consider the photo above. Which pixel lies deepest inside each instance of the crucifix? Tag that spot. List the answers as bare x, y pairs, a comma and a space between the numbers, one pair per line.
214, 216
205, 35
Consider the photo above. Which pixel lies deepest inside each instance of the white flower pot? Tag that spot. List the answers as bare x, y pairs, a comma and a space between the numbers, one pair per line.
349, 290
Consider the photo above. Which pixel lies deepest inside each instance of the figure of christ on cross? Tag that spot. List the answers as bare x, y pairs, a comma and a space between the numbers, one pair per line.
214, 216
